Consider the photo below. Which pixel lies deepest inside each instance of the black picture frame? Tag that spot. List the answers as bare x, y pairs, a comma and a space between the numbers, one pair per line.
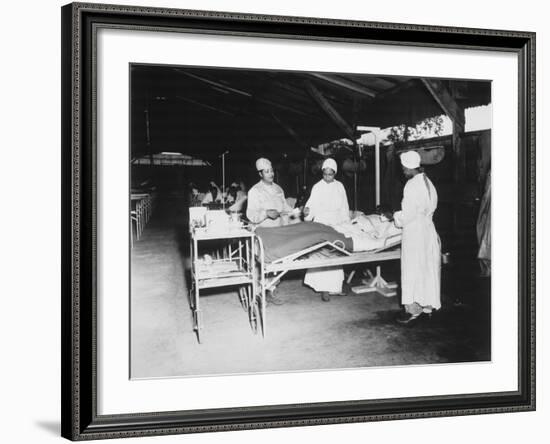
80, 420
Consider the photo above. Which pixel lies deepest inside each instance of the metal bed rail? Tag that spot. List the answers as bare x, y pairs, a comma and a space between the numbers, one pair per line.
296, 261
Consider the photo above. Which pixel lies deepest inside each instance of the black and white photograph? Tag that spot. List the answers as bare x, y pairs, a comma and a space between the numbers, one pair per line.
285, 221
274, 222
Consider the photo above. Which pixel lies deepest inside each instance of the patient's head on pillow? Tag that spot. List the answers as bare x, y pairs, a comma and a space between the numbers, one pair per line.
376, 226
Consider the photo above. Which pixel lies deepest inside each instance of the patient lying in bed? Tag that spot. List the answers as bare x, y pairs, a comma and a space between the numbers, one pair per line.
363, 233
369, 232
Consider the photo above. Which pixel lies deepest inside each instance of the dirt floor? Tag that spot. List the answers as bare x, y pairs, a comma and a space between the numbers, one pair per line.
305, 333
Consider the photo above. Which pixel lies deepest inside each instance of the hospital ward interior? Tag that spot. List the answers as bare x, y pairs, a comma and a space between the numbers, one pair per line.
286, 221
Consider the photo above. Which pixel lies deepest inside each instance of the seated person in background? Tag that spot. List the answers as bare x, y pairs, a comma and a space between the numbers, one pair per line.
194, 196
267, 206
328, 204
213, 195
231, 193
242, 186
236, 197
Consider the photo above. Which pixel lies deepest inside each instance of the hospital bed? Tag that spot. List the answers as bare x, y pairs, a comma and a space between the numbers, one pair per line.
308, 246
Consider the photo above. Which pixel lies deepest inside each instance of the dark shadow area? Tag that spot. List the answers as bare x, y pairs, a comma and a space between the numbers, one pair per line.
52, 427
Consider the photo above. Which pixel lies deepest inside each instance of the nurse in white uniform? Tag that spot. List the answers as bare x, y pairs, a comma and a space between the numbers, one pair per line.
420, 245
328, 204
267, 206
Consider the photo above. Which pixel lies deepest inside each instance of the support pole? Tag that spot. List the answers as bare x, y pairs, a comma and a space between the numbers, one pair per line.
377, 167
375, 283
376, 133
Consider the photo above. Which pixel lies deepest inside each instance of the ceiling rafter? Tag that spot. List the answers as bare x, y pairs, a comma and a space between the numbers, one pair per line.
448, 104
335, 80
250, 95
330, 110
291, 131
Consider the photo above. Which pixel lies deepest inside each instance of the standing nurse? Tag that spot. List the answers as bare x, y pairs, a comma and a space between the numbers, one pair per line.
328, 204
420, 245
267, 206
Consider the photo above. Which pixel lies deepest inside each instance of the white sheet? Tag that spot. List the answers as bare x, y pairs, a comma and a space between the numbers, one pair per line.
369, 232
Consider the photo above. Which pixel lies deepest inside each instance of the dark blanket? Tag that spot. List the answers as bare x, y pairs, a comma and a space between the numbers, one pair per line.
282, 241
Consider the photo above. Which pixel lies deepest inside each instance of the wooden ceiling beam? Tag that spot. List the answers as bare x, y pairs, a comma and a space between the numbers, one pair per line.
330, 110
446, 102
285, 107
301, 95
293, 134
216, 84
345, 84
250, 95
398, 88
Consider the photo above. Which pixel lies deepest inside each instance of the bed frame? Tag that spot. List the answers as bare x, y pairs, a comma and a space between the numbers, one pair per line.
324, 254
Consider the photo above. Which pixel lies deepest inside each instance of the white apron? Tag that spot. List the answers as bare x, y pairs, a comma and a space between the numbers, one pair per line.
328, 204
420, 245
262, 197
